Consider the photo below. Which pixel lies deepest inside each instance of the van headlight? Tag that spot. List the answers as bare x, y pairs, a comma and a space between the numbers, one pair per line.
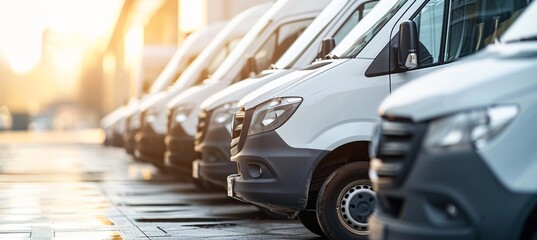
182, 112
223, 114
272, 114
150, 117
470, 128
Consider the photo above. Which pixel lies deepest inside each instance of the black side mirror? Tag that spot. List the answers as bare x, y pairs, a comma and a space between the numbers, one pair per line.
327, 45
408, 47
251, 67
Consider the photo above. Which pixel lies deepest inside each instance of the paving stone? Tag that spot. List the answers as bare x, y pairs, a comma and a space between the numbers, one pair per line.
88, 191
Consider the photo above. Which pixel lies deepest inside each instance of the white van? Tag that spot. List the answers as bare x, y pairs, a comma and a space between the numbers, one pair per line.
149, 136
191, 47
467, 168
272, 35
114, 123
6, 120
301, 142
214, 125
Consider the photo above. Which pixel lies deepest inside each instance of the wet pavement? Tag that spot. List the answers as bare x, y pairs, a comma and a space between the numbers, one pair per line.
67, 186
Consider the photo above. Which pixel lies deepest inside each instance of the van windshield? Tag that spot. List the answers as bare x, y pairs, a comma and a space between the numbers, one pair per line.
360, 36
306, 39
521, 31
236, 55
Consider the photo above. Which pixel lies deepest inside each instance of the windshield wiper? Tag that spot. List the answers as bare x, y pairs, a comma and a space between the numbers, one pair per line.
526, 39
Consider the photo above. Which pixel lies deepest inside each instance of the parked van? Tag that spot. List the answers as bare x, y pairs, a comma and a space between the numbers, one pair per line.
6, 120
265, 43
110, 124
191, 47
272, 35
114, 123
319, 120
214, 125
456, 148
150, 134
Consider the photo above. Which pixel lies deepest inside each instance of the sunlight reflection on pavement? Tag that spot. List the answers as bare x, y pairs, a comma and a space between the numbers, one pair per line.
67, 186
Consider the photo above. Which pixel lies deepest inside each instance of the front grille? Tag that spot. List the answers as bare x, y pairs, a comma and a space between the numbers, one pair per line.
398, 144
203, 123
236, 130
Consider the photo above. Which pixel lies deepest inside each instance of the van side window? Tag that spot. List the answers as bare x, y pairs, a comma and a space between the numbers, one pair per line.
474, 24
279, 42
429, 23
353, 19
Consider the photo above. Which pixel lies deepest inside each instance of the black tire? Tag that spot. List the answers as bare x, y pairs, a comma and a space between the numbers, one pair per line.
309, 220
345, 201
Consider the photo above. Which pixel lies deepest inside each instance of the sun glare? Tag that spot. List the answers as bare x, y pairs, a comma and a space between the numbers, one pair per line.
24, 22
190, 15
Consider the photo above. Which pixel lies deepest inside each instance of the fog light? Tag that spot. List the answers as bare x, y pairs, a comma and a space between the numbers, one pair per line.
255, 170
452, 211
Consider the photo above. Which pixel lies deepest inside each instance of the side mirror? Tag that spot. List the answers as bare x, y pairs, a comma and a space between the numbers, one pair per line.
327, 45
251, 66
408, 47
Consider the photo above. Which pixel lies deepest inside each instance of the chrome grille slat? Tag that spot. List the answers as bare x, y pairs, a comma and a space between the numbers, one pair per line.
237, 126
398, 143
203, 123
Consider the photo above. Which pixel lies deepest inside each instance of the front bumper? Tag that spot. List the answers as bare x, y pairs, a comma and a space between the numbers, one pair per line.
117, 139
272, 174
129, 141
149, 146
215, 165
179, 150
449, 195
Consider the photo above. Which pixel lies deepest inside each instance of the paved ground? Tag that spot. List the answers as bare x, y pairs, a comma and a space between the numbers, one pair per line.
60, 188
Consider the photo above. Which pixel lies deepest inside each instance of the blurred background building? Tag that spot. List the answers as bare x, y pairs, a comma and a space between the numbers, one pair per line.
66, 63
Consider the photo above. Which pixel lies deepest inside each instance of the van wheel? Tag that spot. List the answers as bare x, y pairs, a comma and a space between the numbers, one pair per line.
309, 220
345, 201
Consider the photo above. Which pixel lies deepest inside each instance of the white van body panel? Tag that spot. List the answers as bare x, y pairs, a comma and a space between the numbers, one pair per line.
194, 44
336, 124
273, 88
349, 100
235, 91
303, 51
282, 12
196, 41
453, 89
236, 28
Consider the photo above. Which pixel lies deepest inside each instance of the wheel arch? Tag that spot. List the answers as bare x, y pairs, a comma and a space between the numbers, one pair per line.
529, 229
350, 152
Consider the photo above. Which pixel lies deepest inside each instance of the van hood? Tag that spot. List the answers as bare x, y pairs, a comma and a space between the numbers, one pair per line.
495, 76
154, 101
113, 117
238, 90
196, 94
279, 86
